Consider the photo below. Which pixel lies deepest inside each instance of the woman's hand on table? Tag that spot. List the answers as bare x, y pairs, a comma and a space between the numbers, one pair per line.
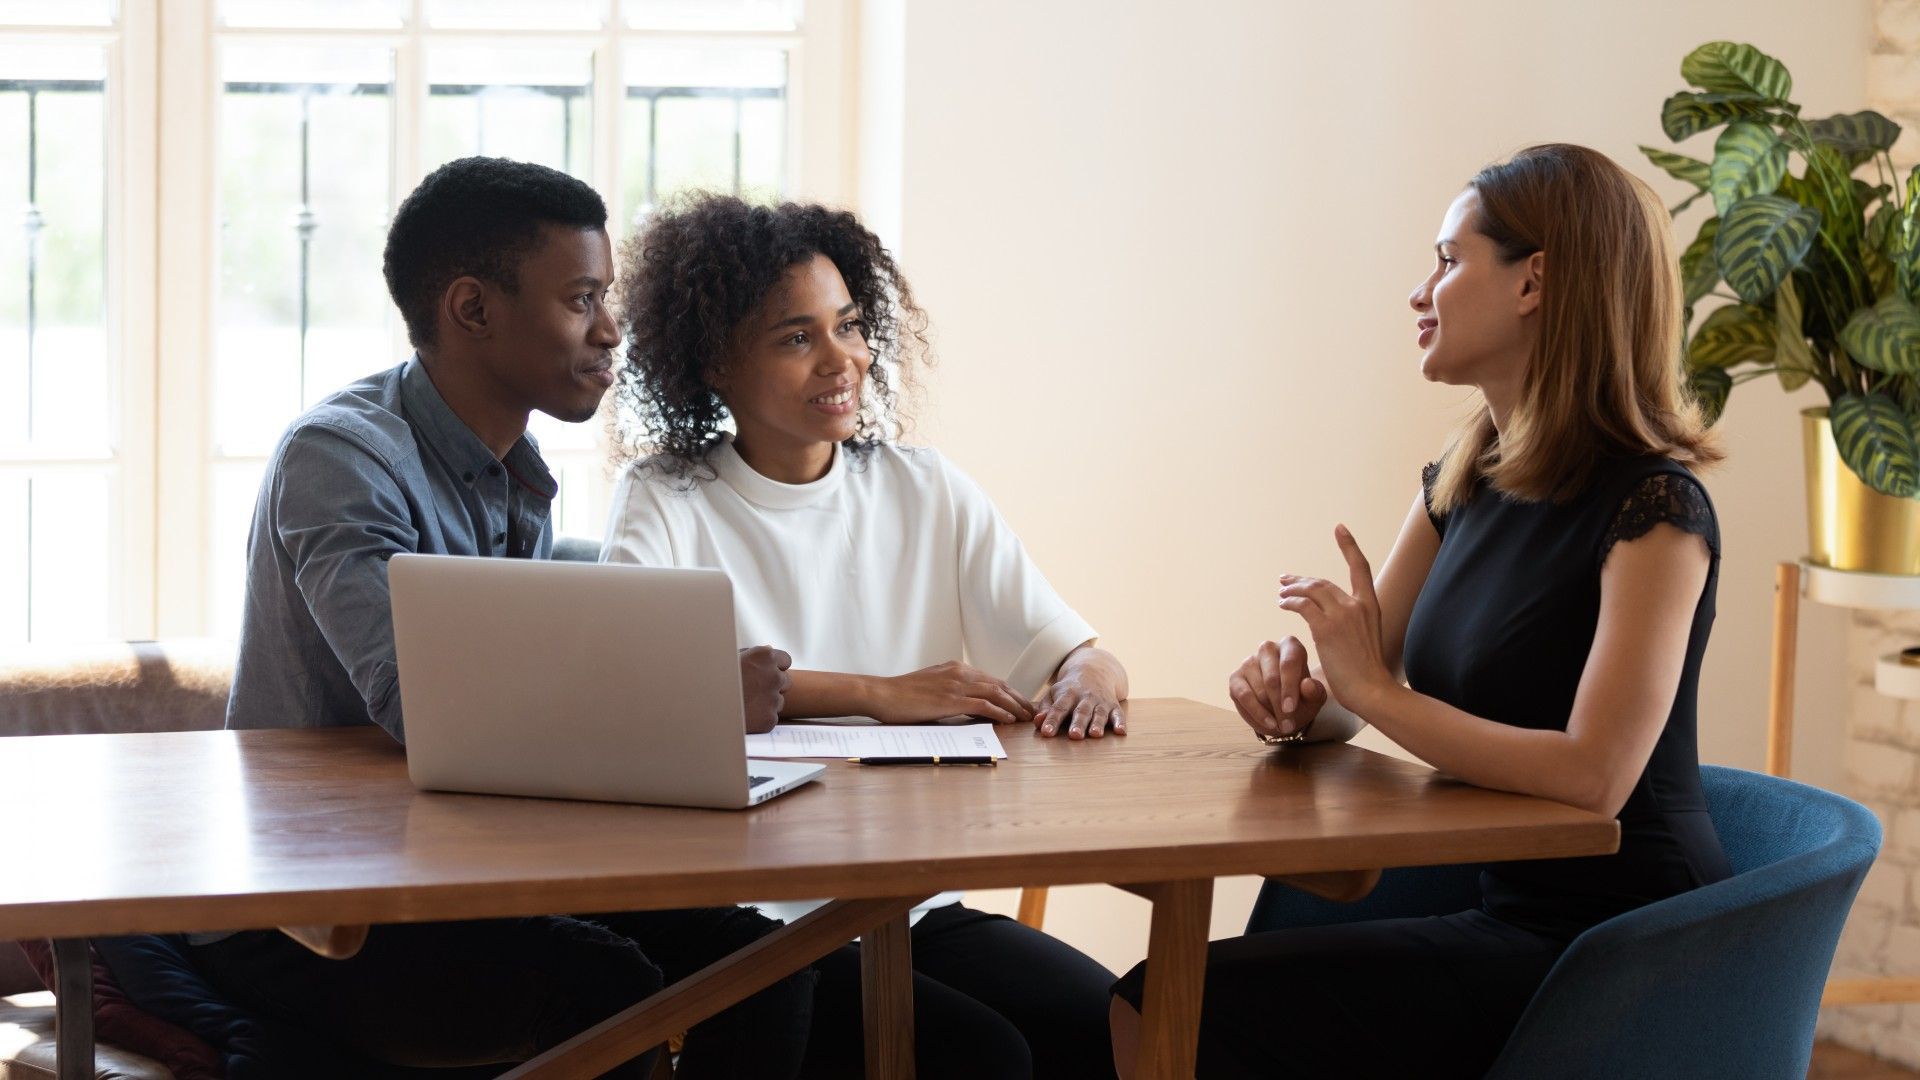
946, 690
1273, 689
1084, 700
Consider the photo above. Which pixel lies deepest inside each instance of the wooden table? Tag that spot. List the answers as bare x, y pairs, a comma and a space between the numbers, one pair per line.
215, 830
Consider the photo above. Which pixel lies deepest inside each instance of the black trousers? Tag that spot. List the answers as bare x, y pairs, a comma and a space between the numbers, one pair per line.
504, 990
1433, 998
992, 1000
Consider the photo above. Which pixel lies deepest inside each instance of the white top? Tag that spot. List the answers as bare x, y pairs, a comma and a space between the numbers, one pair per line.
891, 562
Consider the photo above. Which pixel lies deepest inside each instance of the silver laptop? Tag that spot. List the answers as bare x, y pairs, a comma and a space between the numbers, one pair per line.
575, 680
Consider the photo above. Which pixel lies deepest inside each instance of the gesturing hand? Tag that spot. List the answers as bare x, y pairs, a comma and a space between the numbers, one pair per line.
763, 686
1345, 626
949, 689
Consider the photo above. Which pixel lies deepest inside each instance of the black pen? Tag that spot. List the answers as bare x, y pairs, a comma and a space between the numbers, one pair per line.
935, 760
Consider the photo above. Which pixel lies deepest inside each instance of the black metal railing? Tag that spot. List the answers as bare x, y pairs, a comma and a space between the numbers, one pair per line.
306, 222
33, 223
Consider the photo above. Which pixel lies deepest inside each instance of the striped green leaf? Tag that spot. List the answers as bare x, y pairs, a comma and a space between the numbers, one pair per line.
1761, 240
1875, 439
1835, 194
1855, 133
1793, 358
1709, 387
1903, 243
1733, 335
1885, 337
1697, 269
1678, 166
1748, 159
1880, 233
1880, 275
1686, 113
1724, 67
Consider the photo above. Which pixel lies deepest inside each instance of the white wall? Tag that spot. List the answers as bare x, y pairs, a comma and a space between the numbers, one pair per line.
1166, 248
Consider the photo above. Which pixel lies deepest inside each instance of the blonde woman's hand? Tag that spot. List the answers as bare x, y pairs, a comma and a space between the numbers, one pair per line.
1345, 625
1273, 690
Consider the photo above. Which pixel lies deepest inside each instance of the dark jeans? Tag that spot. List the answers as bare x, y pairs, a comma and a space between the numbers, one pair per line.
1433, 998
504, 990
992, 1000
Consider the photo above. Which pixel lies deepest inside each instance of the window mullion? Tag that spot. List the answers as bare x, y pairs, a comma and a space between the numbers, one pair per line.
133, 185
188, 81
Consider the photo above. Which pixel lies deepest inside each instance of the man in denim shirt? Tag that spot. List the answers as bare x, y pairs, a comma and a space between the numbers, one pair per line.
501, 271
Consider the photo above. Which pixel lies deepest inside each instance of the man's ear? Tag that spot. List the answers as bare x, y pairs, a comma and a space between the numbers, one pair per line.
1531, 283
464, 305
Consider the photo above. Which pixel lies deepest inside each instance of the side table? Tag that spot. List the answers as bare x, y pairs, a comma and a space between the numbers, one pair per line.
1849, 589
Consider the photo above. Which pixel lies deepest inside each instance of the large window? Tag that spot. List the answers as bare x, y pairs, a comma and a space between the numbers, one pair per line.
137, 409
74, 450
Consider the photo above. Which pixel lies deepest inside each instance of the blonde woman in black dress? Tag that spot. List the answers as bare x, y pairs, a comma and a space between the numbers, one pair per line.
1538, 627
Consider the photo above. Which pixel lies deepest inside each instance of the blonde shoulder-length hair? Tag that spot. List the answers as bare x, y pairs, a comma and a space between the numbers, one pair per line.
1605, 377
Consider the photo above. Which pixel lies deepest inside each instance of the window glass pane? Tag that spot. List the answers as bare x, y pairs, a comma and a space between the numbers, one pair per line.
712, 118
57, 12
531, 104
575, 511
55, 389
69, 560
304, 181
516, 14
376, 14
713, 14
235, 485
16, 613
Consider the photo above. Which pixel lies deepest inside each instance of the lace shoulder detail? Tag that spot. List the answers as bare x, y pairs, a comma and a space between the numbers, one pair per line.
1663, 498
1428, 475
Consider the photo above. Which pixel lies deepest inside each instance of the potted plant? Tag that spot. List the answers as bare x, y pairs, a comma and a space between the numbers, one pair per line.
1818, 246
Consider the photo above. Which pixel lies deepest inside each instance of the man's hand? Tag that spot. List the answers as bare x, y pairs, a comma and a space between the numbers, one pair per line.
763, 686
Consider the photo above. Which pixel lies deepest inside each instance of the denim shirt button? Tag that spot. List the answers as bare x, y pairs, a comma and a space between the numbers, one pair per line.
468, 477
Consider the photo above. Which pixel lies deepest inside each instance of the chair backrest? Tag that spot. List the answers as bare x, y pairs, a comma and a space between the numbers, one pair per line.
1721, 981
575, 549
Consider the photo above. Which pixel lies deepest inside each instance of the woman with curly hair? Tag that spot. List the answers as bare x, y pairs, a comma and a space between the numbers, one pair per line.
899, 590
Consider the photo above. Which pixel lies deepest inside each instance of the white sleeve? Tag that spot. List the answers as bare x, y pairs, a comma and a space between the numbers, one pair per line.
1012, 622
638, 529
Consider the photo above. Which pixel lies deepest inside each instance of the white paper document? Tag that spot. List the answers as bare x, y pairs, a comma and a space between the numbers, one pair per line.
891, 740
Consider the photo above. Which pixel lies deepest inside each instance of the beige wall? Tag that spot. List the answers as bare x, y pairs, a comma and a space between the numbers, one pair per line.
1167, 247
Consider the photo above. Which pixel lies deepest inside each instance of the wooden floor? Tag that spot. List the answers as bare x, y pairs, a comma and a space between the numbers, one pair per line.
1831, 1061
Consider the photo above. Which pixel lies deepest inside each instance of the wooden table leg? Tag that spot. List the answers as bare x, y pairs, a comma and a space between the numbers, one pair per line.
886, 998
1176, 968
1786, 637
626, 1035
73, 1009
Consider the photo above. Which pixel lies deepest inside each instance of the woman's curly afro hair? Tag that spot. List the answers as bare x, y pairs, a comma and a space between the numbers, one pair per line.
690, 278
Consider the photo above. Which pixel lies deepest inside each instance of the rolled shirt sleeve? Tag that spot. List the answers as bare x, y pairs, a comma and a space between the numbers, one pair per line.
1013, 622
347, 516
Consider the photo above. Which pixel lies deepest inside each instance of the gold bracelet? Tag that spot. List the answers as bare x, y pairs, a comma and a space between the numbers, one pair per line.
1282, 740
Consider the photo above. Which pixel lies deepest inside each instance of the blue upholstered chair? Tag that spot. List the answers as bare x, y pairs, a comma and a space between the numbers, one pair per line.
1721, 982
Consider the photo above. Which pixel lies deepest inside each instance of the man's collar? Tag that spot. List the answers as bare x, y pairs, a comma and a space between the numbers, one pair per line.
456, 442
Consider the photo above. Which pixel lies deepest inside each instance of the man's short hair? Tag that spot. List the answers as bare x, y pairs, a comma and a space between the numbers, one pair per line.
476, 217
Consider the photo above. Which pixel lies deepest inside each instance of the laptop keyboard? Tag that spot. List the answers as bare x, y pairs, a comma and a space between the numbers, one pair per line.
756, 781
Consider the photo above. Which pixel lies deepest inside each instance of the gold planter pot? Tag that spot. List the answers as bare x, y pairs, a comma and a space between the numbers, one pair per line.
1850, 526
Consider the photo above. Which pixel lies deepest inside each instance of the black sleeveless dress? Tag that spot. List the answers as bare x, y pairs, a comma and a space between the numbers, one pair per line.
1502, 630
